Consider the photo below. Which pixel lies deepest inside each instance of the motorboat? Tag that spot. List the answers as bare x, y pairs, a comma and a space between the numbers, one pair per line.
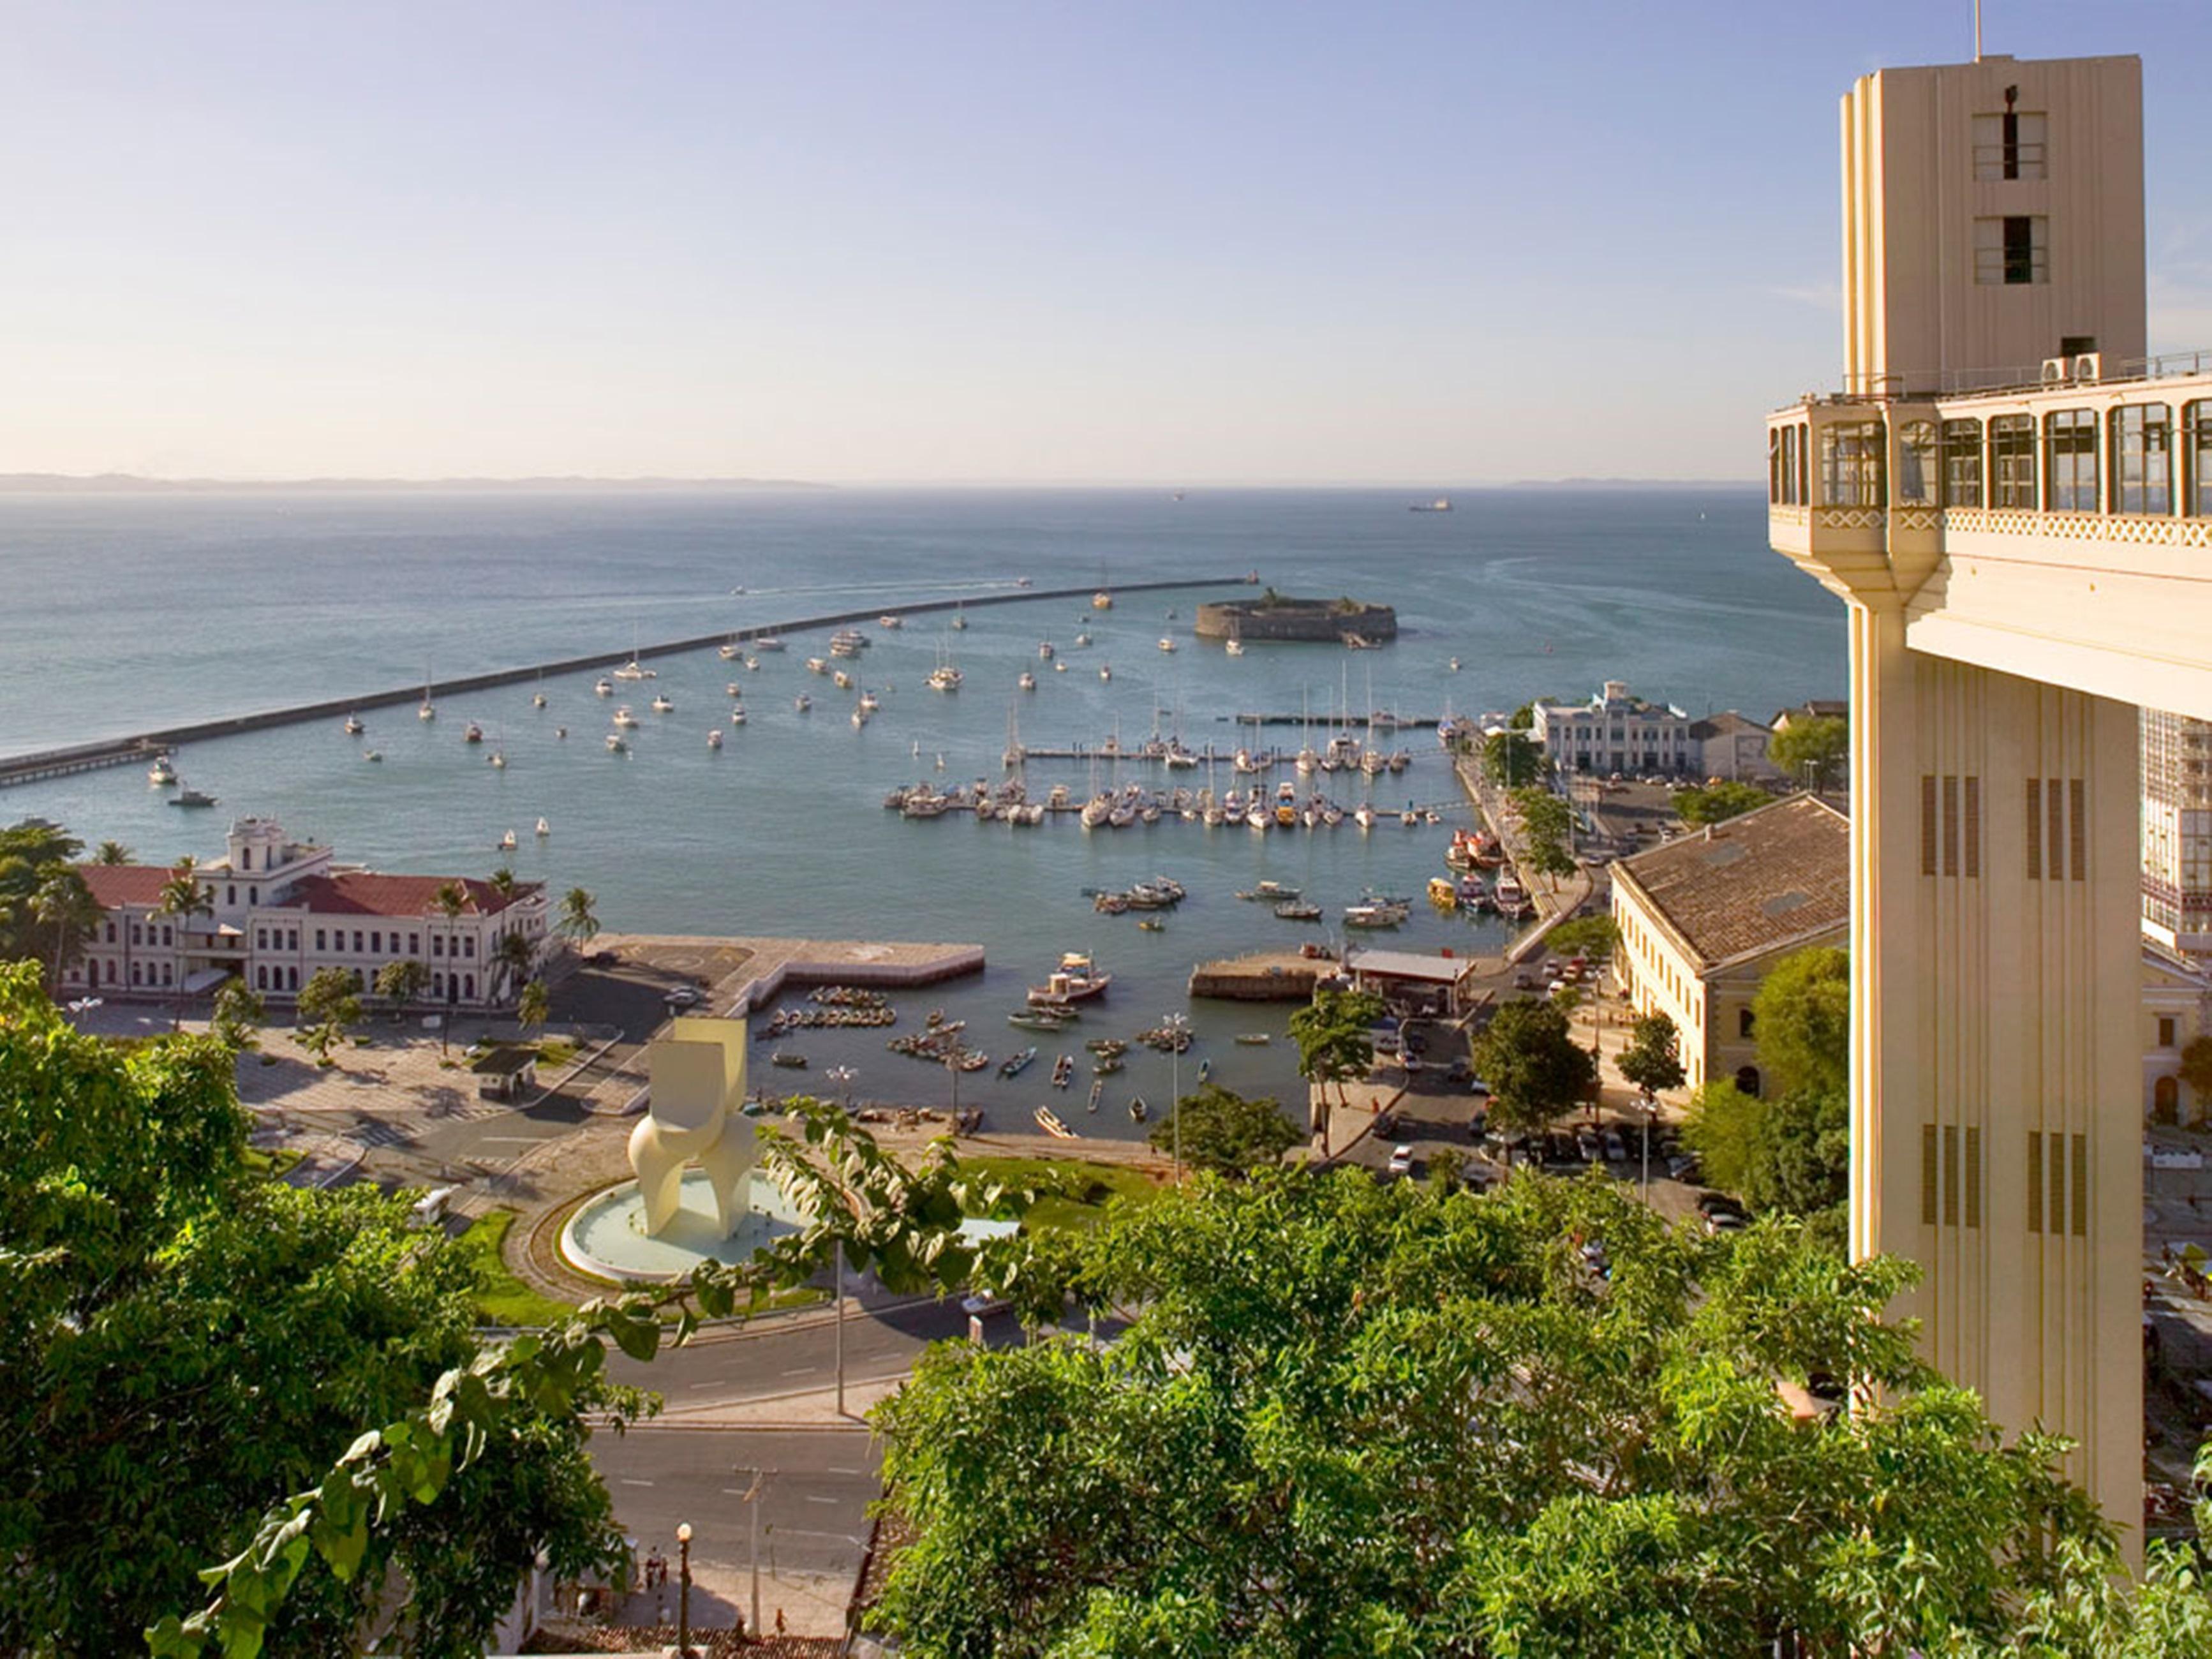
497, 759
1363, 816
635, 670
889, 620
733, 690
959, 619
1027, 682
848, 643
738, 716
868, 700
802, 702
1443, 892
1044, 650
768, 642
538, 700
945, 678
714, 739
1453, 665
624, 717
1048, 1120
1166, 644
662, 704
602, 687
373, 754
617, 744
472, 733
842, 680
1233, 647
353, 725
1255, 1039
1076, 979
1105, 671
429, 711
192, 798
163, 772
859, 717
816, 665
730, 651
1442, 504
1269, 893
1013, 1065
1102, 600
1083, 639
1138, 1111
1374, 913
1298, 910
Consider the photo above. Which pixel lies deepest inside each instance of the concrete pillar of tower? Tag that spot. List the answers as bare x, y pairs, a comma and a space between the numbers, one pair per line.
1994, 1062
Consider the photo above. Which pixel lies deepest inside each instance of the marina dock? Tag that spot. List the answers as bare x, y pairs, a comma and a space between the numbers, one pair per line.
1260, 976
142, 746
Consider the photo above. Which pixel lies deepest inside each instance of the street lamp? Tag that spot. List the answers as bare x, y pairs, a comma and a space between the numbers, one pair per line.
1175, 1025
751, 1501
683, 1588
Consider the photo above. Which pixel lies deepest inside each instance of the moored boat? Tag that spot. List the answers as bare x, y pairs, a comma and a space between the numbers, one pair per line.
1075, 980
1048, 1120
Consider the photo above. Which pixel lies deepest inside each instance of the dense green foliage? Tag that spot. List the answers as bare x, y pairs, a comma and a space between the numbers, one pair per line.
1802, 1017
1227, 1134
1596, 937
1357, 1418
1511, 759
327, 1006
239, 1011
578, 922
182, 1340
1335, 1034
402, 982
1652, 1060
1548, 826
1715, 803
1535, 1069
46, 912
2196, 1071
1811, 750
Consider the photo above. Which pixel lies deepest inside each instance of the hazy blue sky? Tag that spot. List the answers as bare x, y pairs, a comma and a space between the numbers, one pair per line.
1182, 242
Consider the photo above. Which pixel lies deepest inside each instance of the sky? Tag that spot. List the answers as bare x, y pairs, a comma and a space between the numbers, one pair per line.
1193, 242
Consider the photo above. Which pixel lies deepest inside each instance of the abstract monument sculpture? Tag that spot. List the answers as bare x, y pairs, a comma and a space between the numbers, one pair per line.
697, 1075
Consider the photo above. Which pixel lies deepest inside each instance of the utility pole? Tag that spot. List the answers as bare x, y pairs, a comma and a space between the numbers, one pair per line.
751, 1501
837, 1268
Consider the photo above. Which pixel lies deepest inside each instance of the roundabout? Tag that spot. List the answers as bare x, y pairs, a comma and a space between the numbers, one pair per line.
605, 1236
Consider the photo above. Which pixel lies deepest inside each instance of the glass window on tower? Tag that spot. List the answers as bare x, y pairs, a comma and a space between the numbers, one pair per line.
2012, 250
2012, 461
2197, 456
1962, 463
1916, 463
2013, 145
2070, 439
2142, 458
1850, 463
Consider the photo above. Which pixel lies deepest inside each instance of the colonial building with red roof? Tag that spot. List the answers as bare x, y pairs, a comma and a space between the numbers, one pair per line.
278, 911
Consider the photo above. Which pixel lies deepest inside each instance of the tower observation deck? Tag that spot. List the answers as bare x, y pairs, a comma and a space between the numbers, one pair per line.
2015, 504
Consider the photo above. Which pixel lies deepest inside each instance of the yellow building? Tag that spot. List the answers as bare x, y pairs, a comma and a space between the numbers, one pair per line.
2015, 504
1703, 917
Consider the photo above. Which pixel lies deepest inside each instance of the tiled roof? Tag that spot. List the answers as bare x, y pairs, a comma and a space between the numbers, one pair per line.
362, 893
1753, 883
114, 884
1727, 723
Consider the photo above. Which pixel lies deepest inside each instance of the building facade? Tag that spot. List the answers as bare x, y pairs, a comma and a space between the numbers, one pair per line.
2177, 833
1614, 732
1704, 917
2012, 500
278, 911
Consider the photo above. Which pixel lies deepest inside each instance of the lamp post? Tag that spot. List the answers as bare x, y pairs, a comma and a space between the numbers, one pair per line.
683, 1588
751, 1501
1175, 1025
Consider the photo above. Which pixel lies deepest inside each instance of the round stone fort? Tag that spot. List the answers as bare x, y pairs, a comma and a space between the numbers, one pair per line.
1277, 617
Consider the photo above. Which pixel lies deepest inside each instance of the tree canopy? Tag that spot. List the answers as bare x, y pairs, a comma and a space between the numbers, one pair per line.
1351, 1418
1596, 937
184, 1341
1228, 1134
1335, 1033
1510, 759
1715, 803
1811, 750
1802, 1018
1652, 1060
327, 1006
1535, 1069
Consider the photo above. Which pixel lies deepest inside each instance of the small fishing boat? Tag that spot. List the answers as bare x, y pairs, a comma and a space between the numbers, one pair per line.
1166, 644
1298, 910
192, 798
1152, 925
538, 700
635, 670
1038, 1020
162, 773
1270, 891
373, 754
1138, 1111
733, 690
1044, 650
617, 744
662, 704
714, 740
802, 702
1105, 671
737, 717
1013, 1065
1075, 978
787, 1059
1048, 1120
353, 725
816, 665
768, 642
1234, 647
1027, 682
624, 717
891, 619
1063, 1070
472, 733
1106, 1065
1098, 1094
602, 687
496, 760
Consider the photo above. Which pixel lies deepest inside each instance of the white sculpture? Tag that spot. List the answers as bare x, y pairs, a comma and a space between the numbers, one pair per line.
697, 1075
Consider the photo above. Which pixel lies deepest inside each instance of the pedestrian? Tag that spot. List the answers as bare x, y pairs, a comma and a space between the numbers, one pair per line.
779, 1621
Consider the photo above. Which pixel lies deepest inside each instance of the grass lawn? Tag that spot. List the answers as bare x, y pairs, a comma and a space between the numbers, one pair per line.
501, 1299
555, 1052
1070, 1192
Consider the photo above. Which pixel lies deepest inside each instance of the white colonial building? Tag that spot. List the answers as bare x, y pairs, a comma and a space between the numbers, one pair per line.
1614, 732
280, 910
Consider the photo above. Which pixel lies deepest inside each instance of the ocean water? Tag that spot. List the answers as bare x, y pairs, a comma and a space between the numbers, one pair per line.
126, 612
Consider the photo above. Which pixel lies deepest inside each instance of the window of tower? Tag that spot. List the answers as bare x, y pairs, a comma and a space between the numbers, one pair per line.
2197, 453
2069, 447
2012, 461
2012, 250
1962, 463
2142, 458
1850, 463
2013, 145
1916, 463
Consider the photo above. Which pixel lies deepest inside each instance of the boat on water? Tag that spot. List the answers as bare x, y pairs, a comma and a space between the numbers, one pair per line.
472, 733
738, 715
1027, 681
602, 687
1152, 924
1269, 893
891, 619
859, 717
1138, 1111
1014, 1064
624, 717
802, 702
662, 703
162, 773
1234, 647
1077, 979
1443, 892
943, 678
1102, 600
787, 1059
817, 665
869, 702
1376, 913
848, 643
617, 744
635, 670
538, 700
427, 711
959, 618
714, 740
1083, 639
1166, 644
1106, 1065
1048, 1120
841, 679
769, 642
1040, 1019
496, 760
1105, 671
544, 829
1098, 1093
1063, 1070
1453, 666
353, 725
373, 754
729, 650
1442, 504
1044, 650
1299, 911
506, 843
193, 798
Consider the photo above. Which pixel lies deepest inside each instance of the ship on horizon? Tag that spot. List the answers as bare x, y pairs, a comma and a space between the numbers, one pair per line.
1442, 504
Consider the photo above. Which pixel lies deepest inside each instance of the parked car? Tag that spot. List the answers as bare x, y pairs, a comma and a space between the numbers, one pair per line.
1725, 1221
1401, 1160
1588, 1144
1525, 981
682, 997
983, 1304
1616, 1150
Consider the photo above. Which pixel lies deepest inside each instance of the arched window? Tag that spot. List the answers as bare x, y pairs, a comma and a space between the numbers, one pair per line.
1747, 1080
1917, 466
2165, 1100
469, 986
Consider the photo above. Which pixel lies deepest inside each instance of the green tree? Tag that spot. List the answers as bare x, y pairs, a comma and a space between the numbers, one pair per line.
1723, 1127
1335, 1036
451, 901
1715, 803
1522, 719
1508, 758
1801, 1016
1353, 1416
1544, 815
1535, 1069
238, 1012
180, 1340
1811, 750
1227, 1134
512, 957
1652, 1060
111, 852
1596, 937
2196, 1071
578, 922
182, 897
66, 912
328, 1005
401, 983
503, 882
534, 1005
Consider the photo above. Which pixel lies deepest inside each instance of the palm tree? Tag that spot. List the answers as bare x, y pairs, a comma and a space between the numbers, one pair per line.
111, 852
238, 1012
534, 1006
503, 882
577, 921
450, 900
182, 897
513, 957
65, 904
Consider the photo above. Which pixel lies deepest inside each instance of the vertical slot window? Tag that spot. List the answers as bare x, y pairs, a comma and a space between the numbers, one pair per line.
1973, 1177
1928, 824
2057, 800
1927, 1175
1962, 463
1950, 1176
1973, 817
2069, 460
2035, 828
2080, 1181
2142, 458
2077, 832
1950, 826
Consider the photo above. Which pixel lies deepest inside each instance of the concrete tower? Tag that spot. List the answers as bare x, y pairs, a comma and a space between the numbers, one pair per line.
1998, 495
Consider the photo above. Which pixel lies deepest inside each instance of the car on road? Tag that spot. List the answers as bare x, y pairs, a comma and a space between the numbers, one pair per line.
1525, 981
682, 997
983, 1304
1401, 1160
1616, 1149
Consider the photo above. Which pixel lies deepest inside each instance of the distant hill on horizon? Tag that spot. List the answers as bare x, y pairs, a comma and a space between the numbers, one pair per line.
120, 483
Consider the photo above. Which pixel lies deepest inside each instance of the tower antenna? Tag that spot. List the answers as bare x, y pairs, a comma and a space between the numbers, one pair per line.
1977, 31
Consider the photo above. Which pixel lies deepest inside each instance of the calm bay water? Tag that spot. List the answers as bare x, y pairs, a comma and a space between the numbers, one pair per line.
124, 613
